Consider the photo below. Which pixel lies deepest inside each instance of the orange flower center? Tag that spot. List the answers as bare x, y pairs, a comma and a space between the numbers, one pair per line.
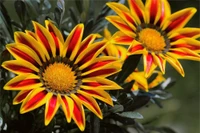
152, 40
59, 77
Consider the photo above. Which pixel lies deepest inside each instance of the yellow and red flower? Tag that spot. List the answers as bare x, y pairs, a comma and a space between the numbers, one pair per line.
151, 30
58, 73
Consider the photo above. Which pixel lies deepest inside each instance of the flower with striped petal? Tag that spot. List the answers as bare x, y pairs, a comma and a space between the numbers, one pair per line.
141, 82
69, 74
152, 31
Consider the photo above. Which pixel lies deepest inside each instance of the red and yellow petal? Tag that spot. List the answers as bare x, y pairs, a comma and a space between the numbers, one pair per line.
137, 9
149, 64
72, 44
67, 107
99, 83
45, 38
160, 62
165, 12
78, 112
178, 20
20, 67
52, 105
31, 42
123, 12
31, 34
21, 96
90, 103
136, 48
159, 78
89, 54
121, 25
35, 99
175, 63
101, 95
23, 82
23, 52
121, 38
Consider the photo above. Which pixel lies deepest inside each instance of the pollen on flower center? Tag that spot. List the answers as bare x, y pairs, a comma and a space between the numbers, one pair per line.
152, 39
59, 77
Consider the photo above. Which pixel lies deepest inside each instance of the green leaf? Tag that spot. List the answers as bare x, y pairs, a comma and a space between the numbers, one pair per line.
133, 115
116, 109
128, 67
94, 123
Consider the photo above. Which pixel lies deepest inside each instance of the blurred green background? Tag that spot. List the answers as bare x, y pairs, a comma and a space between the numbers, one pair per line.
181, 112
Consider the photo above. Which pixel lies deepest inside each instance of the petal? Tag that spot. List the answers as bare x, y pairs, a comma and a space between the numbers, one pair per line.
184, 53
90, 103
53, 29
78, 113
34, 100
73, 41
20, 67
31, 34
175, 63
99, 64
52, 105
67, 107
178, 20
137, 10
107, 33
45, 38
185, 33
29, 41
165, 12
154, 10
122, 52
121, 25
136, 48
21, 51
89, 54
160, 62
99, 83
23, 82
21, 96
101, 95
149, 64
158, 79
121, 38
123, 12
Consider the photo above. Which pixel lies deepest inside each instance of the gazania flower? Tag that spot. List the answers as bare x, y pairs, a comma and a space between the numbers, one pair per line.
151, 30
141, 82
58, 73
113, 49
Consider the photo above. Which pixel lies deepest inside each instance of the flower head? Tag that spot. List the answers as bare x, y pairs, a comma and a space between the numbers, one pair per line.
151, 30
57, 73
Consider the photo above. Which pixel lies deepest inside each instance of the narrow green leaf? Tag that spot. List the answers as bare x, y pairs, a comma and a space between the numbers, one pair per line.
133, 115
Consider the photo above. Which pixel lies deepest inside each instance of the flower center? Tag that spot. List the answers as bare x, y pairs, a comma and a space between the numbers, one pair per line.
152, 39
59, 77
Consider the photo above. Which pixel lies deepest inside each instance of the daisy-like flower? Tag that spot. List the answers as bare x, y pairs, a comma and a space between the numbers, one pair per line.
58, 73
151, 30
141, 82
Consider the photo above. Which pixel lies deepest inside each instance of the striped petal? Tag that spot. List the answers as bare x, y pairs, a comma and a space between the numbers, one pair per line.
34, 100
20, 67
160, 62
30, 33
52, 105
121, 25
21, 96
136, 48
45, 38
23, 82
178, 20
176, 64
90, 103
31, 42
154, 11
99, 64
67, 107
101, 95
121, 38
24, 52
185, 33
165, 12
73, 42
123, 12
99, 83
89, 54
158, 79
184, 53
137, 10
78, 113
149, 64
